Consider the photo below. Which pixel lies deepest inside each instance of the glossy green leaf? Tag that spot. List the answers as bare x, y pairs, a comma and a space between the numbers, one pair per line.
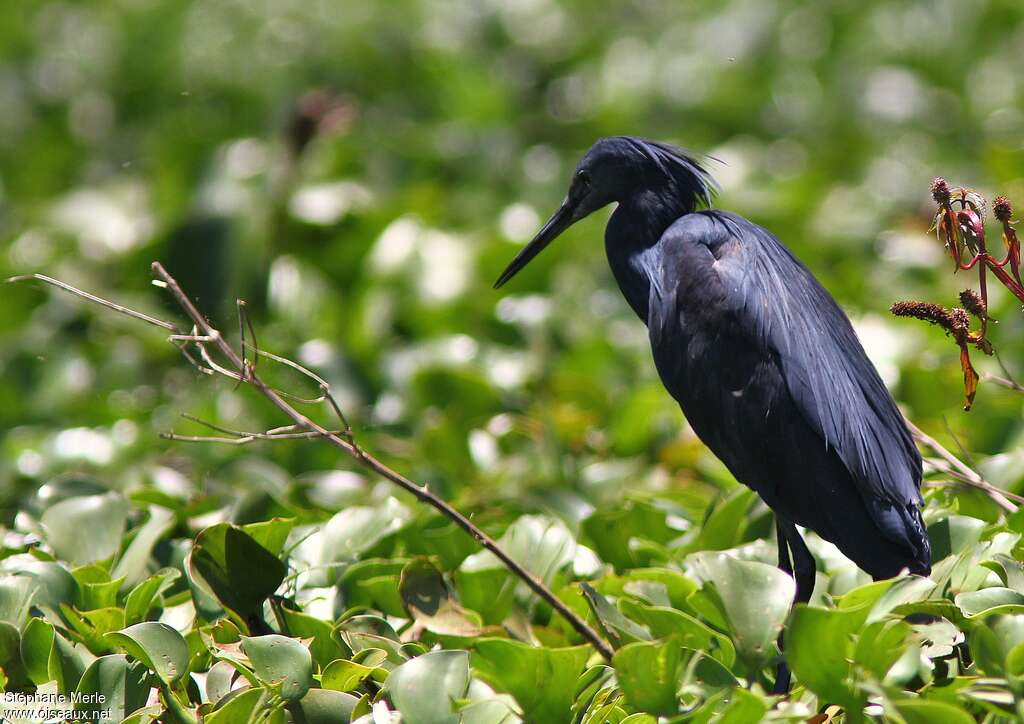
541, 680
240, 572
87, 528
649, 673
426, 689
117, 685
282, 662
157, 646
756, 597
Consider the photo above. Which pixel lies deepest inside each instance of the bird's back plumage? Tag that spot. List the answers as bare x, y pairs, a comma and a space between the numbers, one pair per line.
771, 375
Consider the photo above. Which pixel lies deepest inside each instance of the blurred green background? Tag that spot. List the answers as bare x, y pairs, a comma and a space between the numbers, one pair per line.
361, 173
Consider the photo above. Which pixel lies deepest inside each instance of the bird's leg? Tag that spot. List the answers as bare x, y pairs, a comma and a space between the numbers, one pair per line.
802, 568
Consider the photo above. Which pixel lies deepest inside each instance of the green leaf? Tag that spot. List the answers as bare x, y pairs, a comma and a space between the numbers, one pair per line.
611, 532
542, 680
16, 594
55, 583
880, 645
95, 588
94, 625
133, 563
649, 674
322, 706
158, 646
756, 597
920, 711
271, 534
430, 602
691, 633
979, 603
819, 649
118, 686
726, 523
619, 629
240, 572
954, 534
744, 706
281, 661
66, 665
344, 675
323, 647
143, 597
240, 707
426, 688
36, 648
902, 591
87, 528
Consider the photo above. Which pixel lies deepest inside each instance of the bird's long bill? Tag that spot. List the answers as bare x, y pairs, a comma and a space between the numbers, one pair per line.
559, 222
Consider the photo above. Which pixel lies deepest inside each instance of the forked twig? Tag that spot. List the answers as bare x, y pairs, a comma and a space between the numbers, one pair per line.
240, 370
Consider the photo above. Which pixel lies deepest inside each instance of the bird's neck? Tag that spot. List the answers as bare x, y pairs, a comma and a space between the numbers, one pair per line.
631, 242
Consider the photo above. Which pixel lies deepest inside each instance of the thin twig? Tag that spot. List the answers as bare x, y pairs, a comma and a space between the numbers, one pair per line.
93, 298
965, 474
1002, 381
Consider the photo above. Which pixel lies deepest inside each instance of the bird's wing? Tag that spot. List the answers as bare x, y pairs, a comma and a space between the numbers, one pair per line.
783, 309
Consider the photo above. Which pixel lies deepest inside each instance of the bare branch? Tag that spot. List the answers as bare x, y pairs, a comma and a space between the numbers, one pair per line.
951, 465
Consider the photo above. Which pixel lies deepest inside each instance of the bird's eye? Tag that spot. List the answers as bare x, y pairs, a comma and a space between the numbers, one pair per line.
584, 179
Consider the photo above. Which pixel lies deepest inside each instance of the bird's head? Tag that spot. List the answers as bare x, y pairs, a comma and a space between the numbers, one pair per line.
614, 170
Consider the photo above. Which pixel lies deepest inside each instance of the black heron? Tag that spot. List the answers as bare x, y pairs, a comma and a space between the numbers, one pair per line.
764, 364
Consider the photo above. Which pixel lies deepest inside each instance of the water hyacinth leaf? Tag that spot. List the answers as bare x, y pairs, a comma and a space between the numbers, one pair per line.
343, 675
980, 603
429, 601
724, 526
744, 706
16, 594
992, 640
322, 706
55, 583
357, 529
135, 559
1011, 571
541, 680
66, 664
756, 597
920, 711
10, 646
241, 706
954, 534
119, 684
272, 534
426, 689
87, 528
240, 572
903, 591
95, 588
649, 674
142, 598
280, 661
880, 645
619, 629
219, 680
610, 532
690, 632
323, 647
93, 626
36, 648
158, 646
819, 648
